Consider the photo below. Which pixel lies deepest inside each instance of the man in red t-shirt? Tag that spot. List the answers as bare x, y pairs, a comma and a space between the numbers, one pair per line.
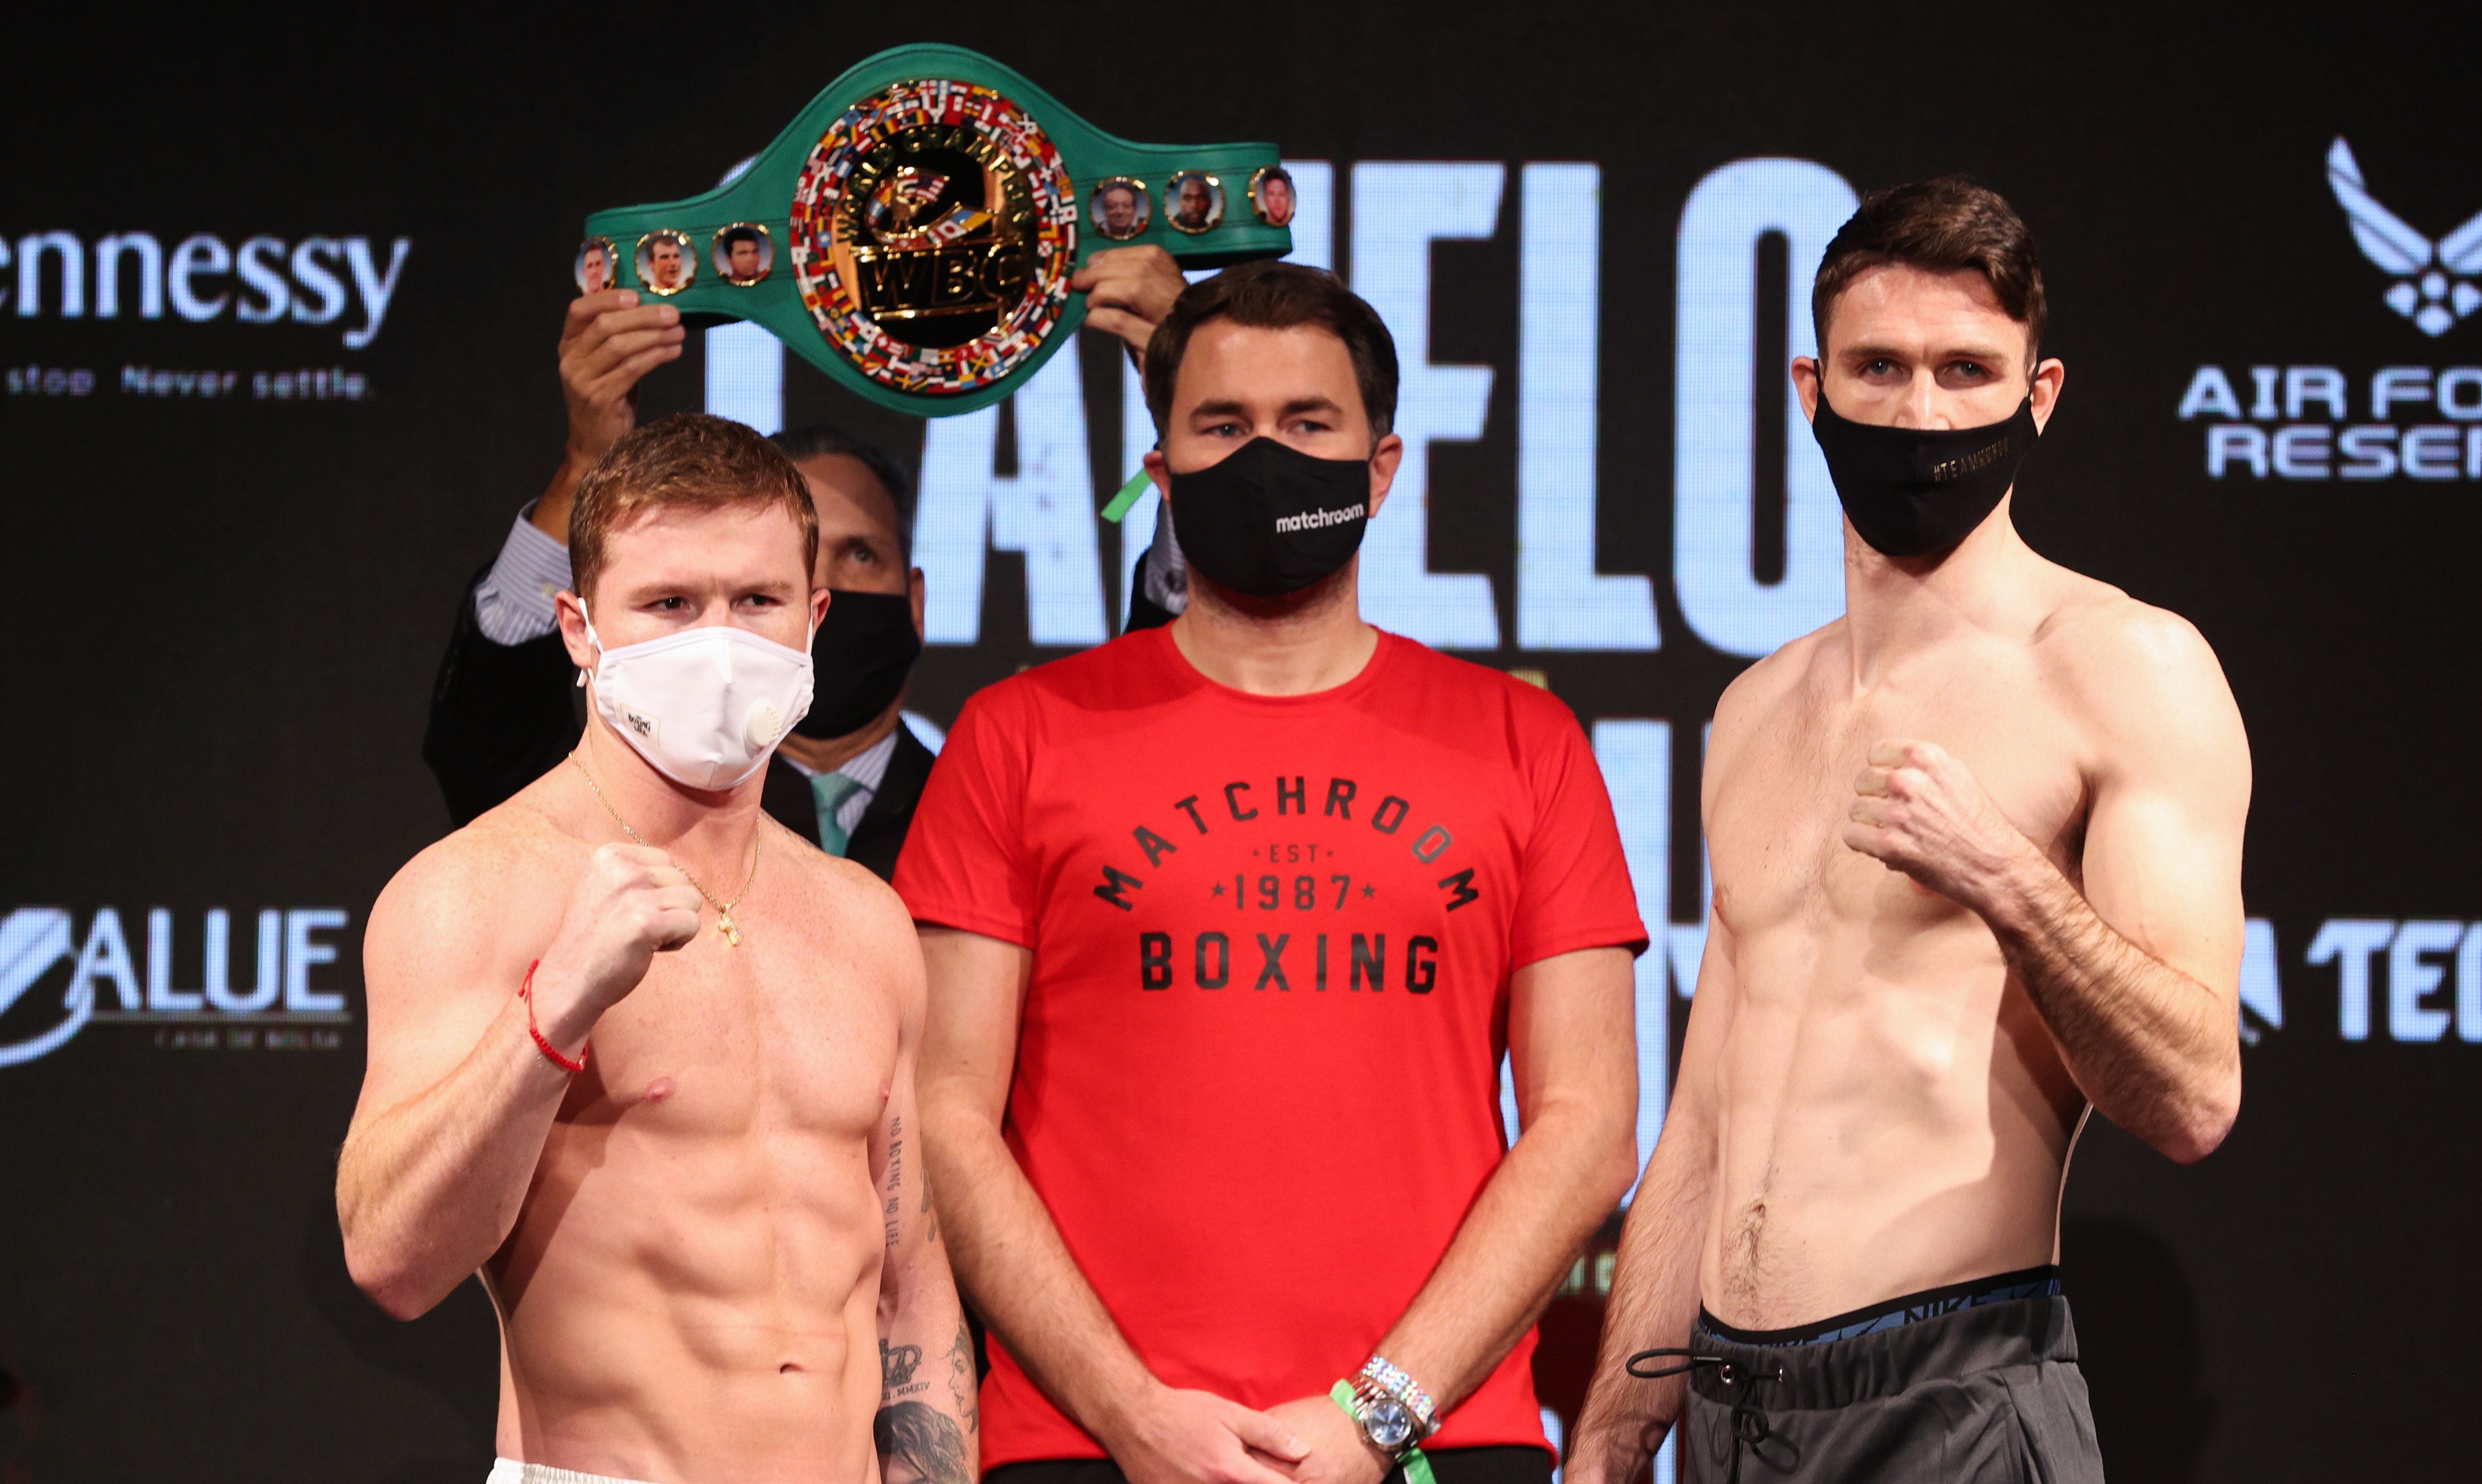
1229, 925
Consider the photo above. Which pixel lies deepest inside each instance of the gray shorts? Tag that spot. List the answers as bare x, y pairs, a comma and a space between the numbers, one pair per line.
1990, 1392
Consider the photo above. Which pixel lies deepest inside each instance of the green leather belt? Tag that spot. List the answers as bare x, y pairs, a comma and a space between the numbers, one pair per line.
913, 232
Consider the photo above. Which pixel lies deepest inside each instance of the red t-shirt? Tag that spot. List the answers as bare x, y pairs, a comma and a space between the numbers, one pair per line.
1257, 1079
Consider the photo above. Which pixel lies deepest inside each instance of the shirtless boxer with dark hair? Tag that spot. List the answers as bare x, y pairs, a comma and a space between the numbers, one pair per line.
1976, 851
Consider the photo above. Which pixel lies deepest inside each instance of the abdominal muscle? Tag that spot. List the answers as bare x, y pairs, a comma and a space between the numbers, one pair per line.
682, 1305
1894, 1118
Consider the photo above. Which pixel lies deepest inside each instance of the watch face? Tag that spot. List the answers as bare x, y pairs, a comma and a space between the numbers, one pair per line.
1390, 1424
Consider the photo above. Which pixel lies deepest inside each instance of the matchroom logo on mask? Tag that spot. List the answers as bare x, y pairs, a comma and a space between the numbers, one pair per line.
2320, 422
55, 980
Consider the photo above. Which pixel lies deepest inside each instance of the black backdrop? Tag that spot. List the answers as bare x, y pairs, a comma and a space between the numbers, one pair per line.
228, 608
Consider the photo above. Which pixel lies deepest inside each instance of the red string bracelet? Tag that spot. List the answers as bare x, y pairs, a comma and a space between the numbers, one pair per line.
526, 993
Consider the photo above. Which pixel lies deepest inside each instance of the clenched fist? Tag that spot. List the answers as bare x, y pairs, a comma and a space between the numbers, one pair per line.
630, 904
1921, 809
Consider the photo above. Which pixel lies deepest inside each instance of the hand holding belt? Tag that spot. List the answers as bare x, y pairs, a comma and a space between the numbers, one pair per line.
913, 231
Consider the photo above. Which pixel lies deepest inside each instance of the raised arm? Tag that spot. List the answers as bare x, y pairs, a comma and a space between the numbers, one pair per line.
458, 1097
1653, 1300
926, 1414
1012, 1262
1573, 1046
609, 341
2135, 966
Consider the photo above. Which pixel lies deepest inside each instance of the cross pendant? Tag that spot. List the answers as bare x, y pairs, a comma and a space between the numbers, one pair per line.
731, 934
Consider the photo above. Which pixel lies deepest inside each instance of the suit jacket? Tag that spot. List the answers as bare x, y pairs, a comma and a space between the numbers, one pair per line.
1144, 611
501, 716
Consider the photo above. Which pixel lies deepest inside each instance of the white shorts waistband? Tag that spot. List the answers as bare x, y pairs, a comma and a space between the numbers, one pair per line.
508, 1470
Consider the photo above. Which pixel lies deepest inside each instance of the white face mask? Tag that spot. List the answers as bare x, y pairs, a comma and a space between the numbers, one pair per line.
705, 705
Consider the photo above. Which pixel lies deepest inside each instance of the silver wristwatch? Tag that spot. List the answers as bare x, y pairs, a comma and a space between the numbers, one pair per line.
1395, 1414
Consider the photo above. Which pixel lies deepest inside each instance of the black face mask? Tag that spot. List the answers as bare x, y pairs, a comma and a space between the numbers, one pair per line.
1270, 519
1911, 491
858, 660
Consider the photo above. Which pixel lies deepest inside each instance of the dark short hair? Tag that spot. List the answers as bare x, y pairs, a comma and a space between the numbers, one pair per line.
820, 440
1274, 295
1943, 225
1121, 186
734, 236
689, 459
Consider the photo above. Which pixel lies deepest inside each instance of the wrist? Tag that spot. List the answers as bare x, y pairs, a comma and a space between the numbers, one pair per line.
1380, 1377
1119, 1411
1598, 1453
2014, 890
563, 1009
550, 514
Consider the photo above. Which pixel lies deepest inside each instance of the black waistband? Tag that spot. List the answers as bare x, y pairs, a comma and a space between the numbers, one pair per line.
2026, 1283
2002, 1334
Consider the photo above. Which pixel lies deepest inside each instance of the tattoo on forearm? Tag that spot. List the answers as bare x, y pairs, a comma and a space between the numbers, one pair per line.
919, 1444
895, 1175
896, 1366
961, 1379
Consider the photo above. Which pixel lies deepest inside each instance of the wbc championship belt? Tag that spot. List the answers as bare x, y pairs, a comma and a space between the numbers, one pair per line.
913, 232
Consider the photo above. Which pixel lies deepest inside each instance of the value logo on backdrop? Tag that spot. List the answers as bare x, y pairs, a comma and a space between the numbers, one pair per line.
2300, 421
54, 980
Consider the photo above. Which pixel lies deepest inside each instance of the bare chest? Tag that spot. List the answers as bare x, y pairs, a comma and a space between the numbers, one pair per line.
781, 1035
1782, 798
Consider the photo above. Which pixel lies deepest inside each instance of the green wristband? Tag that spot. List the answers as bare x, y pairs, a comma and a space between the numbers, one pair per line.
913, 231
1417, 1467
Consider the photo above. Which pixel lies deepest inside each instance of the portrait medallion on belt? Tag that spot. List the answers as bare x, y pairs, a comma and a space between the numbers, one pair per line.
933, 229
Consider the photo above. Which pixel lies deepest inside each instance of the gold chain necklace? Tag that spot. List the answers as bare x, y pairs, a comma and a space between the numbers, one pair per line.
723, 910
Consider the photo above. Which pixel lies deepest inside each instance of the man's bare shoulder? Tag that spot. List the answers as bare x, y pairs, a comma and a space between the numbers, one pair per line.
840, 899
465, 883
2100, 640
1771, 688
2133, 671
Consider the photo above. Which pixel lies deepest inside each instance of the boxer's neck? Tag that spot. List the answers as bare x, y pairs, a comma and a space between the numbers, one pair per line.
1897, 607
706, 832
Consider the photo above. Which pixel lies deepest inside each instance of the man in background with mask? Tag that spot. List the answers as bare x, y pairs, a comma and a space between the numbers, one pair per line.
646, 1061
1976, 850
848, 778
1229, 924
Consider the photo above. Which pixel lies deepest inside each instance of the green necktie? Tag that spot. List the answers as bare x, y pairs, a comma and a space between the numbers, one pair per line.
832, 791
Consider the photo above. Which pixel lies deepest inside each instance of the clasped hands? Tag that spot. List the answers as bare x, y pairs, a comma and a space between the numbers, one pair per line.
1193, 1437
